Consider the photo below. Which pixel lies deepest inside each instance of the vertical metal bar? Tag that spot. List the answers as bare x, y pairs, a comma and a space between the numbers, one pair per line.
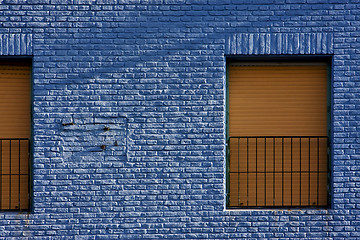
28, 172
239, 171
309, 175
256, 171
1, 175
228, 171
265, 169
10, 177
247, 171
273, 171
282, 172
300, 170
328, 172
291, 172
318, 170
19, 172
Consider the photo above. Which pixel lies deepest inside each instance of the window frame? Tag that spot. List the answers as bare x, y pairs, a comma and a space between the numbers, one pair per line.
19, 61
306, 60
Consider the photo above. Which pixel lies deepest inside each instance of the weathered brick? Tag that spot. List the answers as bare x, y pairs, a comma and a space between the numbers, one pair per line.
143, 83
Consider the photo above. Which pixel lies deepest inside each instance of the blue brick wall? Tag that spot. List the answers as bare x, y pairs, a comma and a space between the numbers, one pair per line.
152, 72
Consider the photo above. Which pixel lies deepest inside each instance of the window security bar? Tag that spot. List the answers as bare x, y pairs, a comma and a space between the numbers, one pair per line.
14, 174
278, 171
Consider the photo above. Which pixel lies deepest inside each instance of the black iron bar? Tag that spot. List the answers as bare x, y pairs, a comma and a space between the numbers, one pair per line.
324, 137
268, 172
282, 207
239, 170
291, 174
309, 175
13, 174
300, 169
19, 172
8, 139
1, 174
274, 171
282, 162
10, 176
283, 170
318, 168
247, 168
23, 174
265, 170
28, 171
256, 160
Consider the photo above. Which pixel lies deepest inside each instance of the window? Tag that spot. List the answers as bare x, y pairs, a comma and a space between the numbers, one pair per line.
277, 135
14, 135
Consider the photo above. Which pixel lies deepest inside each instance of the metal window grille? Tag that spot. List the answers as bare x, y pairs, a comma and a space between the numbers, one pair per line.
14, 173
278, 171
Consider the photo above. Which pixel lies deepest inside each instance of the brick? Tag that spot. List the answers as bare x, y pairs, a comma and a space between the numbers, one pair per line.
153, 73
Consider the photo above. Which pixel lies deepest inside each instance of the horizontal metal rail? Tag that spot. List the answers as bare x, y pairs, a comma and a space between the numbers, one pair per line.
279, 137
277, 171
14, 174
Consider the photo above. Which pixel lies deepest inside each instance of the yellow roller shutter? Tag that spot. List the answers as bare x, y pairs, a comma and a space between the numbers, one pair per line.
277, 128
14, 136
277, 101
14, 102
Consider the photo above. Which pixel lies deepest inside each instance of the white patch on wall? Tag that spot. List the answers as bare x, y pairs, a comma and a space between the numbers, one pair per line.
89, 140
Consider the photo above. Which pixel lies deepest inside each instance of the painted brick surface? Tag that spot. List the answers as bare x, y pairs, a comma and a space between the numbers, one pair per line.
279, 43
15, 44
146, 80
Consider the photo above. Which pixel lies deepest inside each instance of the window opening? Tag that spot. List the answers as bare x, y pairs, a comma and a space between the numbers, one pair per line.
277, 135
14, 135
